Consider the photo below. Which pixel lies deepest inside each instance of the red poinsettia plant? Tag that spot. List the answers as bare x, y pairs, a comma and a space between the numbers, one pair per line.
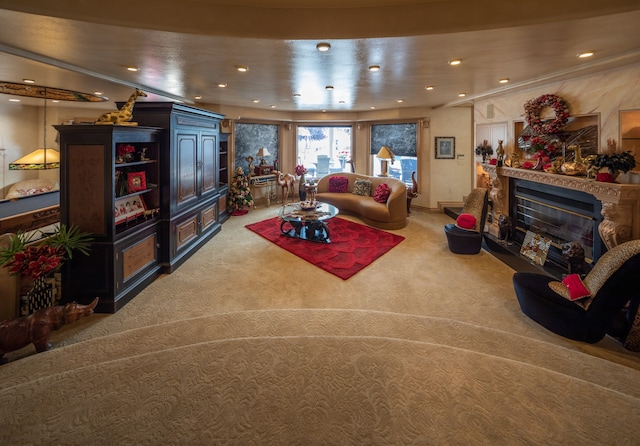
543, 149
125, 149
37, 259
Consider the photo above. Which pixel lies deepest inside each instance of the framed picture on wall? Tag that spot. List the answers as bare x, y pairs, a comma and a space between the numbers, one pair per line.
445, 147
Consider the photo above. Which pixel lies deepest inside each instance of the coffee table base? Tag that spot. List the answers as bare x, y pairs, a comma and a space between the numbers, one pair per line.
313, 231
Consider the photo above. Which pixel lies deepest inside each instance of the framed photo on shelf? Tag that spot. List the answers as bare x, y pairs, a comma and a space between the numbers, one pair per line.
137, 181
129, 208
445, 147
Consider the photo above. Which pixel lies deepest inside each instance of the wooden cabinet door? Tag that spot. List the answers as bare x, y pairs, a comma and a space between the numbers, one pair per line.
208, 182
186, 168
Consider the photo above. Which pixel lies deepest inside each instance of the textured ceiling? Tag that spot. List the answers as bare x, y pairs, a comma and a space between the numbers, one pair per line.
60, 50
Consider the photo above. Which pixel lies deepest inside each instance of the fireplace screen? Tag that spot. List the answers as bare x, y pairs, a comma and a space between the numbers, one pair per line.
558, 215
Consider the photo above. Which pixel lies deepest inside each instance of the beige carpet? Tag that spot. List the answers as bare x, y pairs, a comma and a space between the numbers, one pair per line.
248, 344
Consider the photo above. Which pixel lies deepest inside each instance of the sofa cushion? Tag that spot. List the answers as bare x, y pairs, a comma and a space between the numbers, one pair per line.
338, 184
31, 187
382, 192
362, 187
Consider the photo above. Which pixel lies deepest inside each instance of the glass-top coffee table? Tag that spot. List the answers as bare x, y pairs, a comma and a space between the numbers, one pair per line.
307, 222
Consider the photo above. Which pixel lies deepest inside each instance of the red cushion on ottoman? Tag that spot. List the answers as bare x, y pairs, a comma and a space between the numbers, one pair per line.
466, 221
338, 184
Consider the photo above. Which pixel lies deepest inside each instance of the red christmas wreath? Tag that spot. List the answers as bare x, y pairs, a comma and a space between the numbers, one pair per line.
534, 107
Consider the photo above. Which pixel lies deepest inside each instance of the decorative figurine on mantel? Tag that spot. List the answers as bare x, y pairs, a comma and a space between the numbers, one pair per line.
36, 328
124, 115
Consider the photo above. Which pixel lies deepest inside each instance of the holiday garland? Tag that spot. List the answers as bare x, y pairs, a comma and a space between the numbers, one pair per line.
534, 107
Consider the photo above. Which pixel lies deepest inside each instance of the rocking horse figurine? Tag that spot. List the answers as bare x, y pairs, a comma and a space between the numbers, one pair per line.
286, 181
124, 115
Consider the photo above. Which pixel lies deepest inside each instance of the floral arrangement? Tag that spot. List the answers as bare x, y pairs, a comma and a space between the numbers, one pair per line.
300, 170
542, 149
534, 107
38, 260
623, 161
484, 150
125, 150
343, 154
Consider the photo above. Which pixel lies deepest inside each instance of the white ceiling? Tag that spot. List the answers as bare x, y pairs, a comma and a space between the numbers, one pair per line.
91, 54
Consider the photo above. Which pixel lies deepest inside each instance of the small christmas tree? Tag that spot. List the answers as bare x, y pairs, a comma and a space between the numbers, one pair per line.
239, 193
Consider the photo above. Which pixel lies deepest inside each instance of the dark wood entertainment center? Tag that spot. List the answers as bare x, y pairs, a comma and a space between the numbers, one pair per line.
181, 182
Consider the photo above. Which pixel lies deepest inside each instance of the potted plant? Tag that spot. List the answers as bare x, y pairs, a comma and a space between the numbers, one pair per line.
37, 261
615, 163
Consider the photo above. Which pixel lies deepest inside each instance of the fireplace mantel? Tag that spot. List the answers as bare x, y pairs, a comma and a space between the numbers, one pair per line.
620, 202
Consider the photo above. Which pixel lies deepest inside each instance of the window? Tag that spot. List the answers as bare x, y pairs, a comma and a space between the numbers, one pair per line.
324, 149
402, 139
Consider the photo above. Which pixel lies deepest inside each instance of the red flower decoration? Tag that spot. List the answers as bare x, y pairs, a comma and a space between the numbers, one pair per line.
527, 165
35, 261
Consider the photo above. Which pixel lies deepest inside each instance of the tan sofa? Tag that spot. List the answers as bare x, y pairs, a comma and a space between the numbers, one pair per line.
389, 215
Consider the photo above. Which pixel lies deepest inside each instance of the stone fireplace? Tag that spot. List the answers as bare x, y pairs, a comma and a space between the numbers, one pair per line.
565, 208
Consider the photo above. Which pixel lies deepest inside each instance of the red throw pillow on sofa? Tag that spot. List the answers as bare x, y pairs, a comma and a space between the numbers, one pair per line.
338, 184
576, 287
466, 221
381, 195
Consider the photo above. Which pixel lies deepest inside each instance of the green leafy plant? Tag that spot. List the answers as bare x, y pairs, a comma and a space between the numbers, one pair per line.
623, 161
36, 259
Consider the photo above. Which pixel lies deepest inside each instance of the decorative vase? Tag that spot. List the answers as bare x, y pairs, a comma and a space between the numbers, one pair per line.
302, 193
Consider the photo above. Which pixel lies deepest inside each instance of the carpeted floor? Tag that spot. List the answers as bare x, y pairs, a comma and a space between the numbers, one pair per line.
248, 344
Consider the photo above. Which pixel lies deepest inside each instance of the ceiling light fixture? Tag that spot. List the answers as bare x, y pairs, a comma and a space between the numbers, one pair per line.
255, 101
323, 47
28, 81
242, 68
14, 100
462, 94
272, 106
374, 68
197, 98
455, 61
39, 159
133, 69
504, 80
222, 85
586, 54
429, 87
399, 101
373, 107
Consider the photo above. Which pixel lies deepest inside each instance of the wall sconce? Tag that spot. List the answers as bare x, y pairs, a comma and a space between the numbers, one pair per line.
385, 154
262, 152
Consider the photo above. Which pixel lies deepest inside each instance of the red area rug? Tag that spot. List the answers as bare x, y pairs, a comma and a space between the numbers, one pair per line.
353, 245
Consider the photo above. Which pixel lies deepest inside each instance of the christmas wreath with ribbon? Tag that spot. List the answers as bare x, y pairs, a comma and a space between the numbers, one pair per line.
534, 107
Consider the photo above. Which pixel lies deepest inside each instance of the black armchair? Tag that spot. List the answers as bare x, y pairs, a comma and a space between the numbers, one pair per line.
469, 241
613, 283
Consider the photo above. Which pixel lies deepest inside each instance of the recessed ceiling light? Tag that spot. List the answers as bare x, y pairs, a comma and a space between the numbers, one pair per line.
197, 97
242, 69
399, 100
133, 69
455, 61
504, 80
586, 54
462, 94
255, 101
272, 106
98, 93
374, 68
14, 100
55, 101
28, 81
222, 85
429, 87
373, 107
329, 87
323, 46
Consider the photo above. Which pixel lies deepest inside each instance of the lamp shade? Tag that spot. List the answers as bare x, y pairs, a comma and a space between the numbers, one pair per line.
39, 159
385, 153
262, 152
